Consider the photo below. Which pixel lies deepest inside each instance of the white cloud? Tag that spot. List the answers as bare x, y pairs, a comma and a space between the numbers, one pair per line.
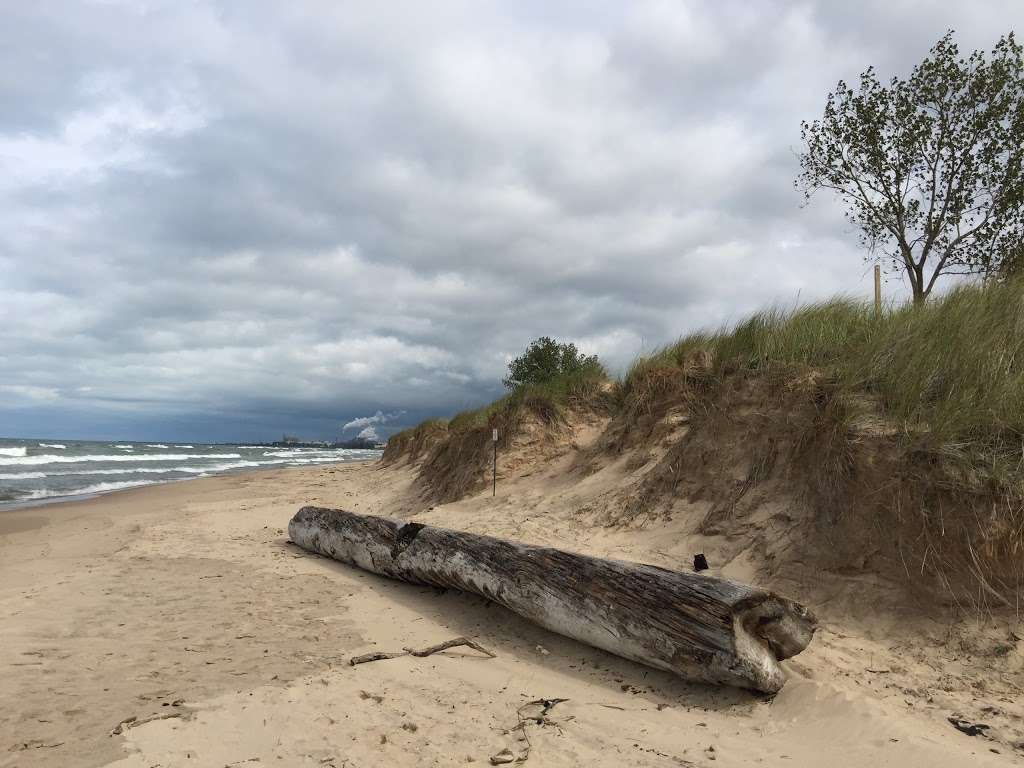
354, 208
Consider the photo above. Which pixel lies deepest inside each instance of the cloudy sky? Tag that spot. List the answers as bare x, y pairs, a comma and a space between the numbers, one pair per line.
224, 220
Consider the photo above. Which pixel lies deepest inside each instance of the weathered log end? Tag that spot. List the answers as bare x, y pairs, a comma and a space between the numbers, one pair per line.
766, 632
701, 628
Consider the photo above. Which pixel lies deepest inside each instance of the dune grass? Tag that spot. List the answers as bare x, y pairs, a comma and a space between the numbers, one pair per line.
548, 401
953, 367
423, 427
415, 441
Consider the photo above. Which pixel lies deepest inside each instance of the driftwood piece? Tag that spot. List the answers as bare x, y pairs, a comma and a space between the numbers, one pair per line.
135, 722
458, 641
701, 628
428, 651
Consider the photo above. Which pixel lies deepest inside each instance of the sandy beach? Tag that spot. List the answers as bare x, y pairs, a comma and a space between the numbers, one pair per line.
183, 606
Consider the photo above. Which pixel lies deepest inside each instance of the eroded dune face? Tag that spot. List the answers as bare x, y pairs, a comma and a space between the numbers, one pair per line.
781, 478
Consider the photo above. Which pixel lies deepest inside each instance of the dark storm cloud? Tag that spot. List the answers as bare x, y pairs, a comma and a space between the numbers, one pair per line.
232, 216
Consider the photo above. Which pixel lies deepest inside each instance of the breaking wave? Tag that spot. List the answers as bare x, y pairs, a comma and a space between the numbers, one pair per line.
223, 467
12, 451
292, 453
58, 446
52, 459
48, 493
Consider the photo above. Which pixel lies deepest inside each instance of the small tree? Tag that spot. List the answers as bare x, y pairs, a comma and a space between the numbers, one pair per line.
544, 360
930, 167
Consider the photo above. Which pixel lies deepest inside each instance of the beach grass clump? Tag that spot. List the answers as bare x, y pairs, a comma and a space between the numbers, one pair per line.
952, 367
546, 400
415, 441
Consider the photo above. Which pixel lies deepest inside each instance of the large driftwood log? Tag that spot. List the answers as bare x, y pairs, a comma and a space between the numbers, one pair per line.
701, 628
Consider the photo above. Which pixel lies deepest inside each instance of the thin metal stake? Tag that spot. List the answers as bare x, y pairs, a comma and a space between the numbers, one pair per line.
494, 470
878, 290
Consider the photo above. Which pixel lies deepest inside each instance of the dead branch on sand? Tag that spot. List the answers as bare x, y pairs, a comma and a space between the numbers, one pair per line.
134, 722
454, 643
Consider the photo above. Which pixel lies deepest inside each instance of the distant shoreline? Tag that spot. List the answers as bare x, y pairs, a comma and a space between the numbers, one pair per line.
32, 472
79, 498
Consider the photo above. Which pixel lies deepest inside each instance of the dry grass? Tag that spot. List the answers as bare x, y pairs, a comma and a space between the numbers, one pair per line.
416, 442
954, 367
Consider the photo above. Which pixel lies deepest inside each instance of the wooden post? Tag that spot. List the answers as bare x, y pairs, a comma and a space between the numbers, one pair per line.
878, 290
700, 628
494, 469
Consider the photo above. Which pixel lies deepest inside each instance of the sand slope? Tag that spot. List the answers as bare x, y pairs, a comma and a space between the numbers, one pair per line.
186, 601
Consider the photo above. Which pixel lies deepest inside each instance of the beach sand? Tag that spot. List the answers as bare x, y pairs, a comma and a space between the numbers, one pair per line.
185, 603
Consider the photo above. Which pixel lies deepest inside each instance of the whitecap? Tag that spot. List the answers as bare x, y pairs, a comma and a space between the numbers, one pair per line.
156, 445
319, 460
12, 451
23, 476
184, 446
301, 452
160, 470
125, 471
121, 457
58, 446
125, 447
221, 467
48, 493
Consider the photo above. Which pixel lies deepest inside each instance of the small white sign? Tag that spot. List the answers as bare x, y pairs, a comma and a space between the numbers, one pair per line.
494, 435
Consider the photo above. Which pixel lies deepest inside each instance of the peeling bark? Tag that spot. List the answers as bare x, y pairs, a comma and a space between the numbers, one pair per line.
701, 628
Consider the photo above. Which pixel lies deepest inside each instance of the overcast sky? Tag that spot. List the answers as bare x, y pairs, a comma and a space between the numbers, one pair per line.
224, 220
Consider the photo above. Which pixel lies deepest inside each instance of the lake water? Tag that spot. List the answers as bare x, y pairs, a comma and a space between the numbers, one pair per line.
38, 470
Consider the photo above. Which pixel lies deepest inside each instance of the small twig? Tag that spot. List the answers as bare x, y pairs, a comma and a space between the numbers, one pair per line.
134, 722
458, 641
36, 745
454, 643
374, 657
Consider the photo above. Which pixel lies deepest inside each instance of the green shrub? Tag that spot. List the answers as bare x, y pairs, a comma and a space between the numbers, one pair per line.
544, 361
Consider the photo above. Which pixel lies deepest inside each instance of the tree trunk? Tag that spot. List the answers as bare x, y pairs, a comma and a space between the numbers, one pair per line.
701, 628
917, 285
